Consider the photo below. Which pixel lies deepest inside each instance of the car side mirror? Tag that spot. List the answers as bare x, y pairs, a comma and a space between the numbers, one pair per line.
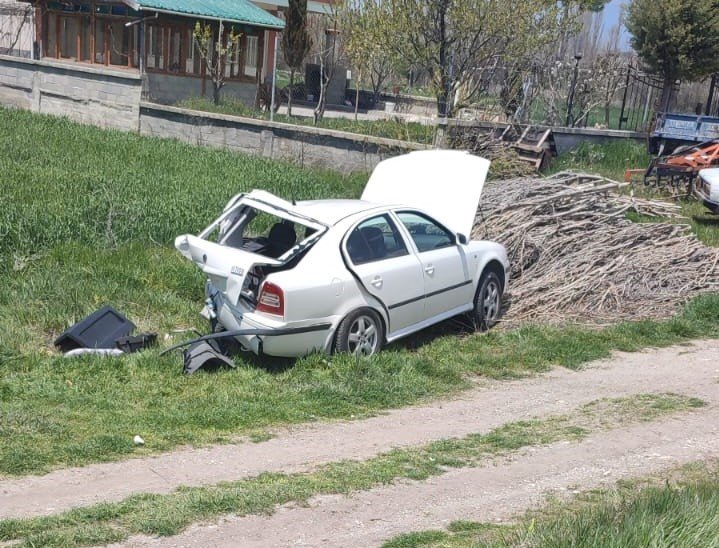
462, 239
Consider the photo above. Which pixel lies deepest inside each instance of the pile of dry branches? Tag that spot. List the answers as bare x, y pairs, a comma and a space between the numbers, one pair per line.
576, 256
506, 163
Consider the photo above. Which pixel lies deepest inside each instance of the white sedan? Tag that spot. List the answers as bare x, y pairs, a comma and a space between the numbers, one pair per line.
287, 279
706, 188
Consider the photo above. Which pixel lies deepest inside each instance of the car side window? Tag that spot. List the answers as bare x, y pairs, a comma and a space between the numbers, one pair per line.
426, 233
375, 239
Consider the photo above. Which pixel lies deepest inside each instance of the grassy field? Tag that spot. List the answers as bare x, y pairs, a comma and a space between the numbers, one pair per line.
153, 514
90, 221
390, 129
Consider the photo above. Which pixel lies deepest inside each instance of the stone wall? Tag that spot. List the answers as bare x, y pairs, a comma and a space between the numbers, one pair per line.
306, 146
87, 94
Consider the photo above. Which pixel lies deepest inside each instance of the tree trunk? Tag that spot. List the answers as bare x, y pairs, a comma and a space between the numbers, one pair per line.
319, 111
607, 107
216, 93
444, 107
666, 102
290, 92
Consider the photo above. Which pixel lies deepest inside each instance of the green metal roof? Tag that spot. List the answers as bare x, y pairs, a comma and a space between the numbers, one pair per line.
234, 11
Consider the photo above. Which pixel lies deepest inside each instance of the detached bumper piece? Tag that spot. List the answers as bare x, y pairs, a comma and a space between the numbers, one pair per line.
204, 355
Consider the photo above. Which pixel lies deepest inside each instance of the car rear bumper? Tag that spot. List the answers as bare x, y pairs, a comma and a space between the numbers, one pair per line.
267, 336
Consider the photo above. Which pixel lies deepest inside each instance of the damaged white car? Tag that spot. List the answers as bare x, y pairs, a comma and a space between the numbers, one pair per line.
286, 279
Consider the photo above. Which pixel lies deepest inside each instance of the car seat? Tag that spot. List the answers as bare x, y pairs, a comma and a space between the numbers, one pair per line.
375, 240
281, 238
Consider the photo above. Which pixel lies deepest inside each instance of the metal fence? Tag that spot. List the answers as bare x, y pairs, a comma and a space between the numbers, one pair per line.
639, 99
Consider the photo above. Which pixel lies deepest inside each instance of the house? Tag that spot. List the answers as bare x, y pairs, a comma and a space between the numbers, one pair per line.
155, 38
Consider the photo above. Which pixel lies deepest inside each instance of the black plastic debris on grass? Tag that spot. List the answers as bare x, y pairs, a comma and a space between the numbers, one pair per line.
205, 355
104, 329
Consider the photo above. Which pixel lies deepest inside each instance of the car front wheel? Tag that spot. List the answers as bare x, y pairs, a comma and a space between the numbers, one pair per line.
487, 301
360, 333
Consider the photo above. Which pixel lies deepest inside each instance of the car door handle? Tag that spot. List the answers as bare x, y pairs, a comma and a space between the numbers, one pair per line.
377, 282
429, 269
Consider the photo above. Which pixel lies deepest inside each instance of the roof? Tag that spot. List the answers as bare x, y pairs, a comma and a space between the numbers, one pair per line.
313, 6
232, 11
330, 212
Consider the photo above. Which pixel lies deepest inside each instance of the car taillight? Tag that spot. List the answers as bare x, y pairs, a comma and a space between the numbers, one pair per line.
272, 300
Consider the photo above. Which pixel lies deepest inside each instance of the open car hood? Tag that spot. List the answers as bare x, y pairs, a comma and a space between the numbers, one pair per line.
445, 183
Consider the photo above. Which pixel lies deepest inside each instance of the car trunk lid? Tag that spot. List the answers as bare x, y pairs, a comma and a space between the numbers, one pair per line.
445, 183
227, 267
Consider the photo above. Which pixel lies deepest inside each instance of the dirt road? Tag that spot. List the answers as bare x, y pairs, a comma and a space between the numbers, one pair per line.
365, 519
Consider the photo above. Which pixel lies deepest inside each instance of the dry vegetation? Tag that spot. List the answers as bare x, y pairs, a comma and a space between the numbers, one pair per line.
580, 250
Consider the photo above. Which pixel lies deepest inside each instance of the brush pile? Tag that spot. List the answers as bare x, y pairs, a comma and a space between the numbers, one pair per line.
506, 163
576, 256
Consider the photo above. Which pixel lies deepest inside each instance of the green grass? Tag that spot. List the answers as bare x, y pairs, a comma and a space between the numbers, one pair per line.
91, 219
657, 512
609, 160
169, 514
390, 129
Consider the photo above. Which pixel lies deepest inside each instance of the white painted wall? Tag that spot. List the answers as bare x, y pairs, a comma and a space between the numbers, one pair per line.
17, 28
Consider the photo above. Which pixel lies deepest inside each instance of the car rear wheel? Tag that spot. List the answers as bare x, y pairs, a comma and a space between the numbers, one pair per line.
360, 333
487, 301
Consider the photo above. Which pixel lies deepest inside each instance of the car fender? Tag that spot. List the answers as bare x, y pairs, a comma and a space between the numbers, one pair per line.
484, 252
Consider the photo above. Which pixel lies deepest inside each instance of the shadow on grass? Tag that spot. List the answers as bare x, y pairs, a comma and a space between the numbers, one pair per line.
706, 220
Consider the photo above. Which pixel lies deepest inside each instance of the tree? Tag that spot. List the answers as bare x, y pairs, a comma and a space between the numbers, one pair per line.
216, 47
296, 42
452, 39
676, 39
360, 23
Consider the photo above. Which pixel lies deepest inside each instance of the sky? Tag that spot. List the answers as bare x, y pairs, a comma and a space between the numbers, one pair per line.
611, 16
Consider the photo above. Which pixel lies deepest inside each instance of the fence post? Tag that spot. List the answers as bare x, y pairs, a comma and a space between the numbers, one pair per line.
622, 119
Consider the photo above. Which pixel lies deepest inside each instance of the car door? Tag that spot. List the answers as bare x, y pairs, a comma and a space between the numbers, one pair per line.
387, 269
447, 281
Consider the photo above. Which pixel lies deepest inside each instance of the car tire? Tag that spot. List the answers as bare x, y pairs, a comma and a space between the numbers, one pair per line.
360, 333
487, 301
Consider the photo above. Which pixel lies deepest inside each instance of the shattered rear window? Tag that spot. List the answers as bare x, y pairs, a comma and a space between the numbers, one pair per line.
257, 231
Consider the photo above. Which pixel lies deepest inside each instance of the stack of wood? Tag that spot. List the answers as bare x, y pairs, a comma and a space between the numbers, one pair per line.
506, 161
530, 148
577, 256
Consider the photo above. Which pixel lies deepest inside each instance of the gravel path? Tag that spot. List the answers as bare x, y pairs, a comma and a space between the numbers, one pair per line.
492, 493
692, 370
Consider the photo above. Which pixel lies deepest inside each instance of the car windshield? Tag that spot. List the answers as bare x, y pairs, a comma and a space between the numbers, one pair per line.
259, 231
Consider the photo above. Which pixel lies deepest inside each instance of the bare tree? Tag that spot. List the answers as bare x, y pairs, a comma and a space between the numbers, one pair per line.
215, 47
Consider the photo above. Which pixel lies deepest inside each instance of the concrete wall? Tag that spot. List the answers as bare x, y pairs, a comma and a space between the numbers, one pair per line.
168, 89
98, 96
567, 138
306, 146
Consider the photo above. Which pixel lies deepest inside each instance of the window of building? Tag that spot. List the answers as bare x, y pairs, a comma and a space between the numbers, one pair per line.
154, 40
98, 33
251, 55
69, 32
176, 50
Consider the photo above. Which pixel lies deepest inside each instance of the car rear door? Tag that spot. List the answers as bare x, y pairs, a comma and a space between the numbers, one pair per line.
387, 269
